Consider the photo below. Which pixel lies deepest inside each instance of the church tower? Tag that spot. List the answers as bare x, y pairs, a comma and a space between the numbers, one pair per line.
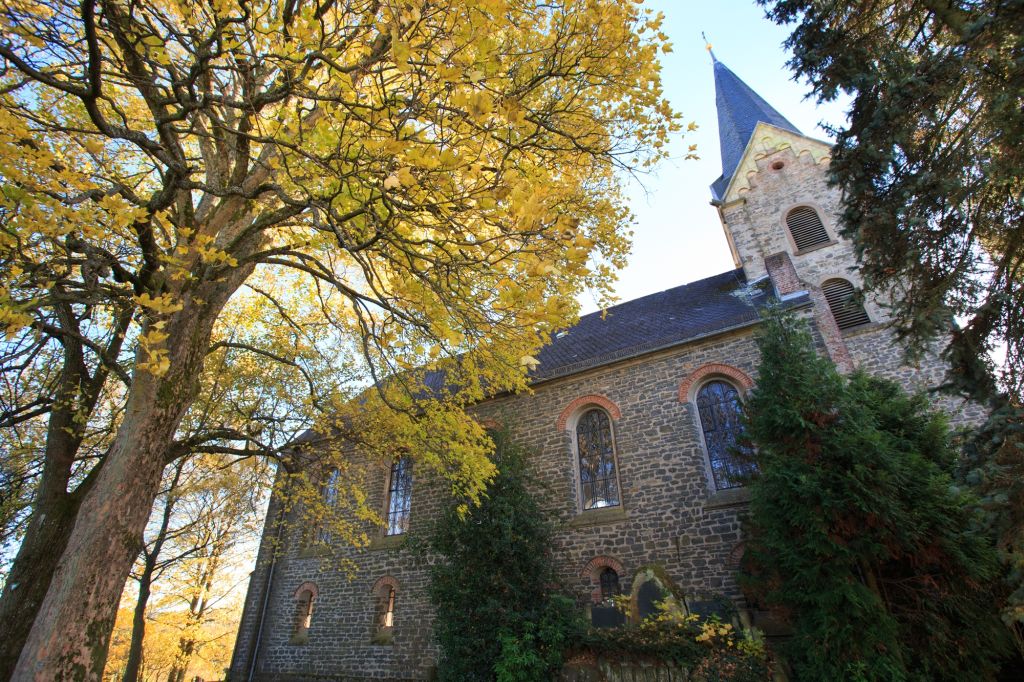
781, 217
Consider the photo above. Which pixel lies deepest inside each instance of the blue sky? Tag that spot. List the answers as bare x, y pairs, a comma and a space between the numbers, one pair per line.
677, 236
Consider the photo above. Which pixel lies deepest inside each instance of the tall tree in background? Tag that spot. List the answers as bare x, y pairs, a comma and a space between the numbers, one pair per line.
442, 175
856, 534
206, 510
931, 162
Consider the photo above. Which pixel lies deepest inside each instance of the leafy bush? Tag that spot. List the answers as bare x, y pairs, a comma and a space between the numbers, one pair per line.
711, 649
499, 616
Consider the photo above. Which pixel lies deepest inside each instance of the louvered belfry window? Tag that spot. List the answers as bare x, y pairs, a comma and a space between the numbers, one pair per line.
721, 420
842, 301
806, 227
598, 482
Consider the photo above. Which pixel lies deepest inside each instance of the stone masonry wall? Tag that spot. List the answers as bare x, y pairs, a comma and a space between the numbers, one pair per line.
669, 517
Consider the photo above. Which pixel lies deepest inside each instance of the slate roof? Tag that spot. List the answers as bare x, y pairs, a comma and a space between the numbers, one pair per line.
739, 110
660, 320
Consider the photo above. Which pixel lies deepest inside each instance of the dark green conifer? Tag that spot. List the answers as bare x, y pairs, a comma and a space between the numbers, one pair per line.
857, 534
498, 614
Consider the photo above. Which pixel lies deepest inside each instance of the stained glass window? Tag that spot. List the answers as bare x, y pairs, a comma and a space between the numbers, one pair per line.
399, 496
598, 483
609, 584
721, 414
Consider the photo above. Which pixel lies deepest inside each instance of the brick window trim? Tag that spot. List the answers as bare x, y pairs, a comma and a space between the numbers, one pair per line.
586, 400
382, 582
488, 424
593, 571
736, 556
712, 370
307, 587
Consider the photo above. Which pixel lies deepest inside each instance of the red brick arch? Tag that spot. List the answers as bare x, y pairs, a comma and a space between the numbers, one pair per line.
611, 408
711, 370
488, 423
593, 571
382, 582
307, 586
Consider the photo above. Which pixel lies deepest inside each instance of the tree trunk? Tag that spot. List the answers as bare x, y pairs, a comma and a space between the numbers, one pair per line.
71, 633
134, 665
69, 638
45, 539
54, 508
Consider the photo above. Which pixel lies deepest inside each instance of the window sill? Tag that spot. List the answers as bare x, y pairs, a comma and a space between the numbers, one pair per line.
599, 517
862, 329
382, 542
311, 551
731, 497
384, 637
830, 242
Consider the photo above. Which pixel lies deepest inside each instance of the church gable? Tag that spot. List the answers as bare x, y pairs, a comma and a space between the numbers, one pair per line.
766, 141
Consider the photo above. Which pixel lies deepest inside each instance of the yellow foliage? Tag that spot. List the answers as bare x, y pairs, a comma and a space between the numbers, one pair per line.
335, 199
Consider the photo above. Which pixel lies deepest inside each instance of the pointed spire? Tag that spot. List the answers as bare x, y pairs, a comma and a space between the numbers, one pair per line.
739, 111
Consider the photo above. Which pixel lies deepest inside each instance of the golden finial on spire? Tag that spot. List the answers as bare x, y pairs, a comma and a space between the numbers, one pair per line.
707, 46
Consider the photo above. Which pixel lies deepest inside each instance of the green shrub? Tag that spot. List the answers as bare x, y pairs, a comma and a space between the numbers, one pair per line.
711, 649
499, 615
855, 531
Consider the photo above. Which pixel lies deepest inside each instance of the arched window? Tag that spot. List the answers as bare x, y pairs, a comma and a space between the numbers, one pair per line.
721, 410
806, 228
599, 484
305, 596
388, 619
329, 494
842, 301
603, 574
610, 587
384, 592
399, 496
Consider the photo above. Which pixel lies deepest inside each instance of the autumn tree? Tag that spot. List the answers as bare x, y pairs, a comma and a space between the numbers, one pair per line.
206, 510
250, 402
440, 176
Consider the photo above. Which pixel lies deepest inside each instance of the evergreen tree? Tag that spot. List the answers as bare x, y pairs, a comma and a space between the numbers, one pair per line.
498, 616
930, 167
856, 532
930, 162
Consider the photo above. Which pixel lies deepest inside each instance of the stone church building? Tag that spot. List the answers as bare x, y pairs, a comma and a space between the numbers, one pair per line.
630, 424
